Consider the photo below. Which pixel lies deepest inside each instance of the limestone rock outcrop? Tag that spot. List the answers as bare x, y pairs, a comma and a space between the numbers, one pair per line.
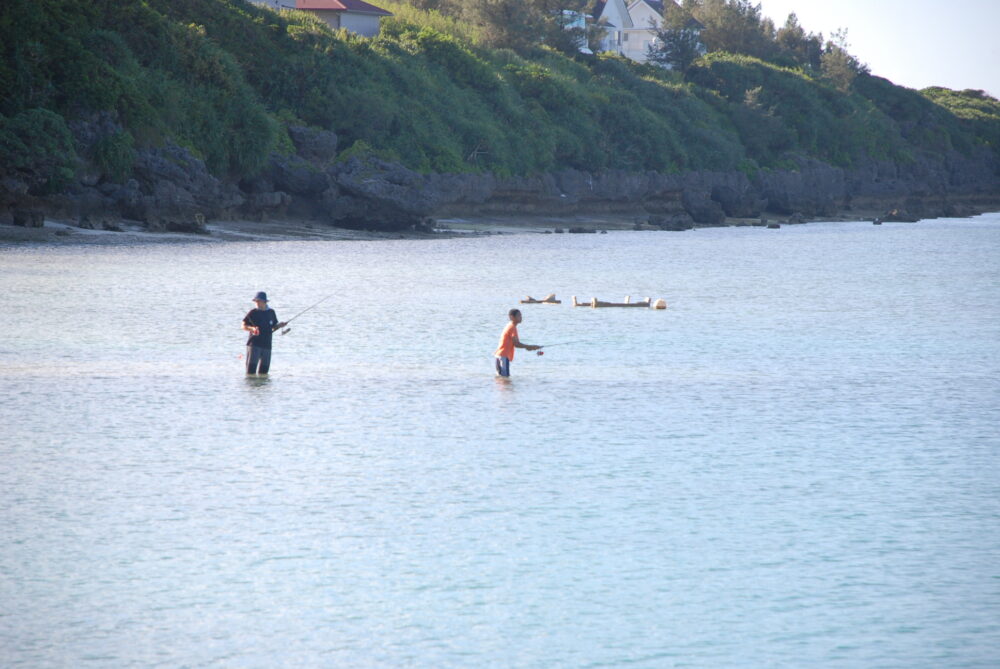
170, 188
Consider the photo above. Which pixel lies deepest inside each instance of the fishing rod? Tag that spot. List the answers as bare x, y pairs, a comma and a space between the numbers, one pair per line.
564, 343
558, 343
287, 330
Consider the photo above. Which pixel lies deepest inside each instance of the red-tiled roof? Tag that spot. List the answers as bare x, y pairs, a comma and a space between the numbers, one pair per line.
342, 6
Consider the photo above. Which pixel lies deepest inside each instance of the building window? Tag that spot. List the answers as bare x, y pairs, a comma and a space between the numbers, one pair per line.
624, 37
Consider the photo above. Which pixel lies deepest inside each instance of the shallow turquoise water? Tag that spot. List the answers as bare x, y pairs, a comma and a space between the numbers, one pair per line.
796, 464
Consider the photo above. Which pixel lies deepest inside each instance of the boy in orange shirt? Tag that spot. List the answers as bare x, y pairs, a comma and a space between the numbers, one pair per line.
508, 342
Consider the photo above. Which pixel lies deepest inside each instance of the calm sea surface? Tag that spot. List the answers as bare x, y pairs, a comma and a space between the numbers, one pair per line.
797, 464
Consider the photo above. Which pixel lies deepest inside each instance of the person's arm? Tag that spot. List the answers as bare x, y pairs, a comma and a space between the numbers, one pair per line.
527, 347
279, 325
249, 326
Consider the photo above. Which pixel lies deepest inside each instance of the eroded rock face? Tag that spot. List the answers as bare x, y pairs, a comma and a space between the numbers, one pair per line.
702, 208
375, 193
739, 199
296, 176
313, 144
816, 188
172, 189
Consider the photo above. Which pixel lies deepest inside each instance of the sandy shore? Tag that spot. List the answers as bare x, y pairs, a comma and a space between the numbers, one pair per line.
59, 232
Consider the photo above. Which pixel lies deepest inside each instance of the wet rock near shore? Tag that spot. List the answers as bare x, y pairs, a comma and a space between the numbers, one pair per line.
27, 218
99, 222
676, 222
899, 216
702, 208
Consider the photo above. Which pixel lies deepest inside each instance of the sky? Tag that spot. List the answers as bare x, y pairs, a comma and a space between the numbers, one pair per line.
912, 43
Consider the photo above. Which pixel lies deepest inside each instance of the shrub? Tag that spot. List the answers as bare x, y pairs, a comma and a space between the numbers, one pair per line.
225, 77
36, 145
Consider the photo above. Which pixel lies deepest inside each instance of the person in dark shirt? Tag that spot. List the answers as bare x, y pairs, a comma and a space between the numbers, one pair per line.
260, 322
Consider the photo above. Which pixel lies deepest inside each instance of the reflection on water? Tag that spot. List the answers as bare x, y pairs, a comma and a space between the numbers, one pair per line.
504, 383
802, 450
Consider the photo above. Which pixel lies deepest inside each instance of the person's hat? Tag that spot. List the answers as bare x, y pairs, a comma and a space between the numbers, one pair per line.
262, 296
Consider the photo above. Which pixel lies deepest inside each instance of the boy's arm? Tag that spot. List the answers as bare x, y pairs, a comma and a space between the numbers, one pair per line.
527, 347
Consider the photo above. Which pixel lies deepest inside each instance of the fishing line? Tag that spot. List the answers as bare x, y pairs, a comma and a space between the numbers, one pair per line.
287, 330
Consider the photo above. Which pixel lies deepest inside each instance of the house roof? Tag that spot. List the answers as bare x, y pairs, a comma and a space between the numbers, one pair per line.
358, 6
658, 7
604, 6
598, 9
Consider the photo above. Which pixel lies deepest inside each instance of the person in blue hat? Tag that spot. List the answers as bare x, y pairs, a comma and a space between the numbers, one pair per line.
260, 322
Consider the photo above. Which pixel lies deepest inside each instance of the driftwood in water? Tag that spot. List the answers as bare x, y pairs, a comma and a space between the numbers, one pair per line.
548, 299
596, 303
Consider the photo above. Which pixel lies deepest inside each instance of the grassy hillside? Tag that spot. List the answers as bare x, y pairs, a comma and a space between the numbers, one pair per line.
225, 78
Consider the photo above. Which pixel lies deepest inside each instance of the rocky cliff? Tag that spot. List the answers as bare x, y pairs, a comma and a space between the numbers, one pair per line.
170, 189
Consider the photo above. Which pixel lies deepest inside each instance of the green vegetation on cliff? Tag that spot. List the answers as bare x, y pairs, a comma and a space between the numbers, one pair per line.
224, 78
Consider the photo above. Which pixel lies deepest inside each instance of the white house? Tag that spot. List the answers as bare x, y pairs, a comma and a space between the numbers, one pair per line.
356, 16
631, 26
613, 16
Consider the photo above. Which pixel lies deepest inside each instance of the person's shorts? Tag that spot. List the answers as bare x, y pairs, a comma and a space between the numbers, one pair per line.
503, 365
258, 360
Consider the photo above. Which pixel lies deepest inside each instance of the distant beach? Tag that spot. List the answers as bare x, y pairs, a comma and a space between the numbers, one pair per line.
60, 232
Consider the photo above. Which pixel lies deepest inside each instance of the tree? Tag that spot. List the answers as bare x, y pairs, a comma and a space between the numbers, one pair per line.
677, 43
36, 147
504, 23
735, 26
523, 24
564, 25
442, 6
837, 65
804, 49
